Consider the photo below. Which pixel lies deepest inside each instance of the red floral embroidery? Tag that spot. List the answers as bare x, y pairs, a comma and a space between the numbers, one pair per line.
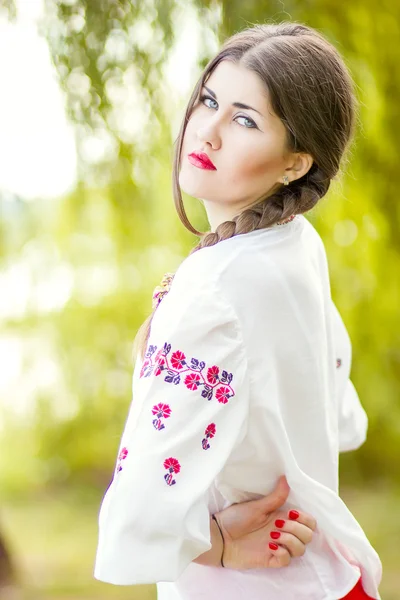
122, 456
194, 377
222, 394
178, 360
192, 381
212, 374
159, 366
338, 362
161, 410
209, 433
173, 466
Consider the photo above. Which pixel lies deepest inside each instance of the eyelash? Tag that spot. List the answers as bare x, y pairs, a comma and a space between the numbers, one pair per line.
205, 97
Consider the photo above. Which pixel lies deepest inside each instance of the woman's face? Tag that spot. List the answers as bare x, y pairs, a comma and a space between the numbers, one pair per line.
245, 144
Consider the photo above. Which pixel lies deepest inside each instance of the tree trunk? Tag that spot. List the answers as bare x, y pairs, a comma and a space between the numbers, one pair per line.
7, 571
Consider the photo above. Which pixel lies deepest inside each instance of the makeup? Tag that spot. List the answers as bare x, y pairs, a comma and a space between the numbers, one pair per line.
201, 160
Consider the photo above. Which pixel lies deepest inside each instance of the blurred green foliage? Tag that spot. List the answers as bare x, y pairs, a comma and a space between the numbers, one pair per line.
117, 233
111, 240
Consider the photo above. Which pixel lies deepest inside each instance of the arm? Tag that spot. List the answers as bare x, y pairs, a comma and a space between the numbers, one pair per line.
189, 410
213, 556
246, 529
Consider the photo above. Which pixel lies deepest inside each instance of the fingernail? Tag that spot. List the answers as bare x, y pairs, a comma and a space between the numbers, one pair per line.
275, 534
293, 514
279, 523
273, 546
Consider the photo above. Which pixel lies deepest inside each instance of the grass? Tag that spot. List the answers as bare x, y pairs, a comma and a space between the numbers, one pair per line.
53, 538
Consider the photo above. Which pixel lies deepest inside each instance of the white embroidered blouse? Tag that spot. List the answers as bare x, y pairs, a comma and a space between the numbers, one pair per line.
245, 378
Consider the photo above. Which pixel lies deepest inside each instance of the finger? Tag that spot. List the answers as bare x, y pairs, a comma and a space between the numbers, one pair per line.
277, 497
289, 541
276, 559
301, 517
302, 532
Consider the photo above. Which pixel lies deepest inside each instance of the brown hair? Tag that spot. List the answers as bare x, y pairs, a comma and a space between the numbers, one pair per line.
312, 92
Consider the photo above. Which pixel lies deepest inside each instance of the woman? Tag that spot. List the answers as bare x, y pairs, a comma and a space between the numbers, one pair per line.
244, 374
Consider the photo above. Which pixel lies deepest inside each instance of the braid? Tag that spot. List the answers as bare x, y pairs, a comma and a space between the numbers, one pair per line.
299, 197
312, 93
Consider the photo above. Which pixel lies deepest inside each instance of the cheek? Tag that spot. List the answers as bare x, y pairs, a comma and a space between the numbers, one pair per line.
255, 167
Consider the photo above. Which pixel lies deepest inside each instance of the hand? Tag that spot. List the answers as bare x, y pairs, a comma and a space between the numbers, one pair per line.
246, 529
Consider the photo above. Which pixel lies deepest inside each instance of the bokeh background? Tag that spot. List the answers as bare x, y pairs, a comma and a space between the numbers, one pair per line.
92, 94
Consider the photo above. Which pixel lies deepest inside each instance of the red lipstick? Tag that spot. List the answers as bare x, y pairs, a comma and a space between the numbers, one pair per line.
201, 160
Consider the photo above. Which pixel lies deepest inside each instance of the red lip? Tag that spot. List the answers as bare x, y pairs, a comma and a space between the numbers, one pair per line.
201, 160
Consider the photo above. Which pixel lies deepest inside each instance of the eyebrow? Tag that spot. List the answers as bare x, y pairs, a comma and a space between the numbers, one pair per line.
237, 104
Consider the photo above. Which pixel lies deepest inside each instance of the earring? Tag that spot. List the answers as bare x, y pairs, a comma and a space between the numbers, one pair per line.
285, 180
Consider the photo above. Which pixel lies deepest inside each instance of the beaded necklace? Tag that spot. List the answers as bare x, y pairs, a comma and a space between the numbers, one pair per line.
286, 220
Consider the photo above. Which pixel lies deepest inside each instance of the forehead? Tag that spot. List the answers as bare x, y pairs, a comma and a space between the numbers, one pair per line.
235, 83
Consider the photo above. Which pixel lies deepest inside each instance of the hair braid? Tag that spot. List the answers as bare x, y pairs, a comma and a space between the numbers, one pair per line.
299, 197
312, 93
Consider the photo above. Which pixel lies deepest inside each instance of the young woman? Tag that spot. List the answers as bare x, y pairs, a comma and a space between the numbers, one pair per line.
243, 376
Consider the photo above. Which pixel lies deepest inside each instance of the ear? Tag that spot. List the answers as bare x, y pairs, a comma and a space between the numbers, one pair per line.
300, 164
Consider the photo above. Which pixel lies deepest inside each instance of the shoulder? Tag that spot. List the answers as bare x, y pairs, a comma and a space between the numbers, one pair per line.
256, 270
242, 255
256, 256
251, 283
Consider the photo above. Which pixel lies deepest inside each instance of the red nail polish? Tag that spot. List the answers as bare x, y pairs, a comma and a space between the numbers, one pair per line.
293, 514
275, 534
279, 523
273, 546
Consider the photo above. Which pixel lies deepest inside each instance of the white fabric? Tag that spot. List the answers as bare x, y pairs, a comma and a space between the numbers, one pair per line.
246, 339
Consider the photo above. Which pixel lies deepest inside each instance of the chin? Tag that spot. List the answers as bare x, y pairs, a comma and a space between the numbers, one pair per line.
192, 185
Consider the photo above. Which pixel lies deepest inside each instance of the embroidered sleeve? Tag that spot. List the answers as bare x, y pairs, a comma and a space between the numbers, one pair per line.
189, 409
352, 418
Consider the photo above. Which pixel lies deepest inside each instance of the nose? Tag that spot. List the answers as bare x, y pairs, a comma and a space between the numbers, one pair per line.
209, 134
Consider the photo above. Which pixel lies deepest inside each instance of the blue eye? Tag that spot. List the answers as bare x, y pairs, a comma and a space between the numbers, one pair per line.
252, 123
202, 98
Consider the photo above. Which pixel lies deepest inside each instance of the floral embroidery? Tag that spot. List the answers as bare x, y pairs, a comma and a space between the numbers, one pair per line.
173, 466
161, 410
209, 433
122, 456
338, 362
177, 369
